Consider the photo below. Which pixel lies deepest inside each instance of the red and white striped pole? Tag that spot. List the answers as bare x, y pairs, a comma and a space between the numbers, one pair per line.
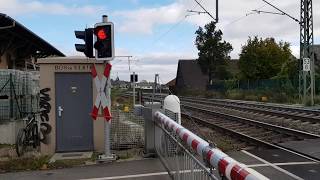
227, 167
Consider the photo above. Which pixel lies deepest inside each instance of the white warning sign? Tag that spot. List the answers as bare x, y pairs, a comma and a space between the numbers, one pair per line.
306, 64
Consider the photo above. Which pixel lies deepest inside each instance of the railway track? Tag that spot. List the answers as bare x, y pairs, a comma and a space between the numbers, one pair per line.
312, 116
244, 124
305, 115
250, 130
309, 122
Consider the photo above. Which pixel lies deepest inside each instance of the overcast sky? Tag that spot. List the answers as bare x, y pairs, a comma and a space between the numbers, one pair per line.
157, 33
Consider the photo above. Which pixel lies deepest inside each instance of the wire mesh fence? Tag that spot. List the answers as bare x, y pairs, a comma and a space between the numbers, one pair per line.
19, 91
127, 130
180, 162
261, 84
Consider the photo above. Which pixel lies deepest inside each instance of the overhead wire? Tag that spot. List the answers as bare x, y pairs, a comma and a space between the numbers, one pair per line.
185, 16
182, 19
245, 16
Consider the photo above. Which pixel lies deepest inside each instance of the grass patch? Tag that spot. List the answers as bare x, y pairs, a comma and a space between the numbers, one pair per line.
23, 164
67, 163
95, 156
129, 153
119, 101
42, 163
6, 146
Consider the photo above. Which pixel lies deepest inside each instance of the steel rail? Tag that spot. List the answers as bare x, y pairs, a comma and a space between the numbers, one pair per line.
248, 103
258, 104
289, 131
278, 113
249, 139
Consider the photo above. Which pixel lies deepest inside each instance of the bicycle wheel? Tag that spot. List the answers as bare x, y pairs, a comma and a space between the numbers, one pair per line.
21, 142
35, 136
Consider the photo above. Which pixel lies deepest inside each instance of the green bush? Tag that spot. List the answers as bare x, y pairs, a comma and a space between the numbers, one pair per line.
235, 94
24, 164
317, 100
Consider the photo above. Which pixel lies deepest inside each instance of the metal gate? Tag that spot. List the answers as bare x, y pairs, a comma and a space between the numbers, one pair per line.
74, 126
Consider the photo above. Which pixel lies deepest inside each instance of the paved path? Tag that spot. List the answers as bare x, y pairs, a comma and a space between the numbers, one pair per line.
136, 170
277, 164
274, 164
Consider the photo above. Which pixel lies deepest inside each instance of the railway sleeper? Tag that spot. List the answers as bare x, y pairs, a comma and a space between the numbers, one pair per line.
257, 133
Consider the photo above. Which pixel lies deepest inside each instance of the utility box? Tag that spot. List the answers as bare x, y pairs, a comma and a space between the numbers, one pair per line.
171, 105
72, 93
149, 128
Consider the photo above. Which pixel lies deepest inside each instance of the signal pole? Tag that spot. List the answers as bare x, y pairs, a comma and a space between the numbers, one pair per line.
107, 124
134, 89
155, 86
216, 18
104, 51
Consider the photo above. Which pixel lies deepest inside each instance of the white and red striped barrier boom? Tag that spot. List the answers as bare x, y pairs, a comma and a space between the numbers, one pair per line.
101, 95
227, 167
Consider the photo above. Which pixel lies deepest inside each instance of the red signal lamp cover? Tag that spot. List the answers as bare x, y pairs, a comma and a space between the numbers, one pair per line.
101, 34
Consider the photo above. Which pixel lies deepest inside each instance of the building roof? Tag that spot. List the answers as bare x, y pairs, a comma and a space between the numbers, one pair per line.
190, 76
172, 82
15, 36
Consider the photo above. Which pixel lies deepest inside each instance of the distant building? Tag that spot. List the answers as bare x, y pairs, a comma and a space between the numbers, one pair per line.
19, 47
171, 85
190, 77
120, 84
144, 85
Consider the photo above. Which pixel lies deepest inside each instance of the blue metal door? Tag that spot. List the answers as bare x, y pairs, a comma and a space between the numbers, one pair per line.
74, 126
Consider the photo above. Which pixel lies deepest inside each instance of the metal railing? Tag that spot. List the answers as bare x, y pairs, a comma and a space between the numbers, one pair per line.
180, 163
187, 156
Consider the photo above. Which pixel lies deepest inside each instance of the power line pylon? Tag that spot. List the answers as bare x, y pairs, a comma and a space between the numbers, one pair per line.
306, 52
306, 75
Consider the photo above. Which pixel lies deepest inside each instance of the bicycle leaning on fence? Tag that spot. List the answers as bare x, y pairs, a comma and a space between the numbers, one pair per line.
35, 132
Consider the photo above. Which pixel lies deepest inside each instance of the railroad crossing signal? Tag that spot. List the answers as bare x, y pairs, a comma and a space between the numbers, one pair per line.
134, 78
101, 95
87, 47
104, 41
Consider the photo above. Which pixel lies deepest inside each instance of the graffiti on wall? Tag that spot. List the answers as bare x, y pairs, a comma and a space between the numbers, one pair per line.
45, 108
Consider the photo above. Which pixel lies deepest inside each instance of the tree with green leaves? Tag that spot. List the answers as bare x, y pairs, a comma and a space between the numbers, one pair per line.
213, 52
265, 58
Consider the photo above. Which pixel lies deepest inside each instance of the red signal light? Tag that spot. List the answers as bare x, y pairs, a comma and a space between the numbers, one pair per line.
101, 34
